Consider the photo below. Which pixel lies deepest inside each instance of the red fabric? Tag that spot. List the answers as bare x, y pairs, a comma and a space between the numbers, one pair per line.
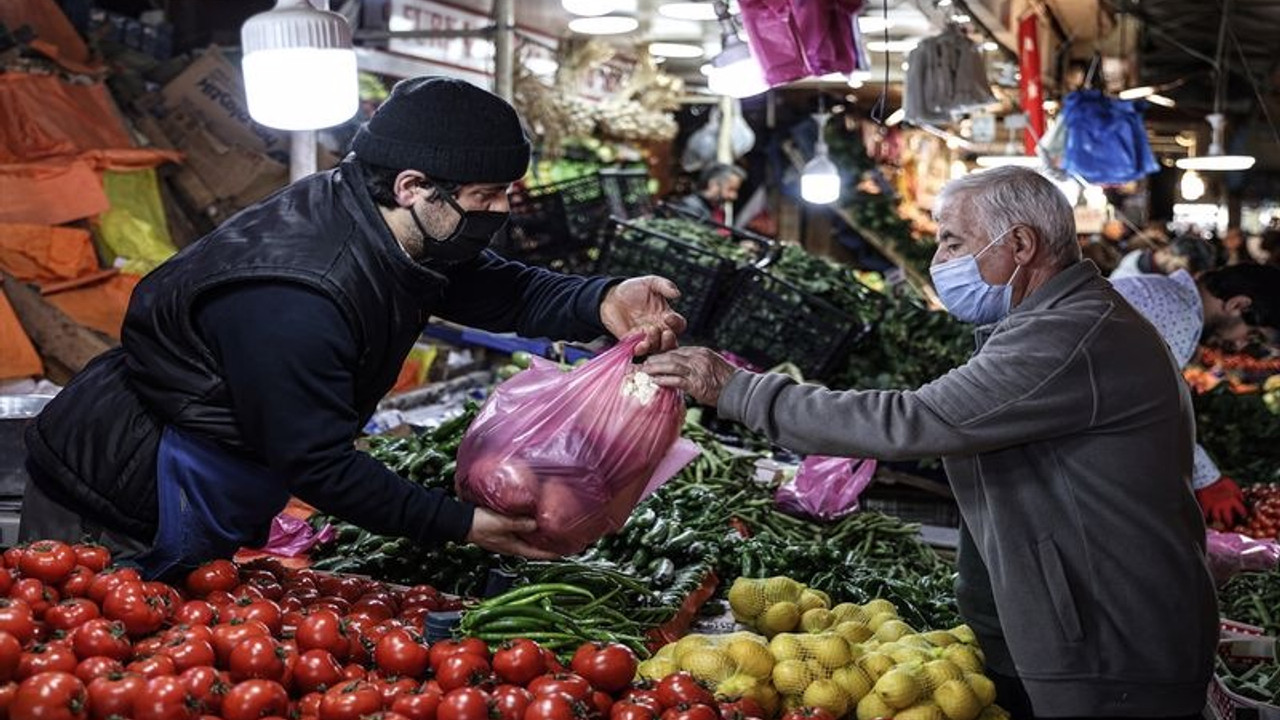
1032, 85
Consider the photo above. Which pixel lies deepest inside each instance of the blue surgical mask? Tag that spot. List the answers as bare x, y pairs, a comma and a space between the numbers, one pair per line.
966, 295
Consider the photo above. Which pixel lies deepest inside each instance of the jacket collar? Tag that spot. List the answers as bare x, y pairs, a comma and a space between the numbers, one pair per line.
1059, 286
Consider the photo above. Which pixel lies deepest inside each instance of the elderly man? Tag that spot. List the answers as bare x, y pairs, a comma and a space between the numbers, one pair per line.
718, 184
1067, 438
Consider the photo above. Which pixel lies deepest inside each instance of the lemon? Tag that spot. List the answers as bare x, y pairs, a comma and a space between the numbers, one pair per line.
832, 651
880, 605
982, 687
780, 617
892, 630
666, 652
707, 664
656, 668
768, 698
791, 677
963, 656
688, 644
993, 712
786, 646
876, 664
915, 641
957, 700
923, 711
813, 600
908, 655
750, 656
965, 634
736, 686
940, 638
845, 612
828, 695
898, 688
879, 619
871, 707
815, 620
782, 589
746, 599
853, 631
936, 672
854, 681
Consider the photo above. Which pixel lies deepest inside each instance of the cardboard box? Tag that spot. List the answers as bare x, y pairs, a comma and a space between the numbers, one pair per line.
219, 178
211, 89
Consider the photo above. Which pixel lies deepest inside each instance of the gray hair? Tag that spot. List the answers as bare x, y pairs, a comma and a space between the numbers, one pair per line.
1008, 196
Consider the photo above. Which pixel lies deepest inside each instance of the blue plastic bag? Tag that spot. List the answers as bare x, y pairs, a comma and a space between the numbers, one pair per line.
1106, 140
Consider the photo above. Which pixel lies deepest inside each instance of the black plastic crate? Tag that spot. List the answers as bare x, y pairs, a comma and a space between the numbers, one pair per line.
554, 223
769, 321
626, 193
703, 276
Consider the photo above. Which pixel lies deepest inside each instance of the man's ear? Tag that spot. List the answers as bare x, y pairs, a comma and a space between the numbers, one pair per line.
1238, 303
1027, 244
407, 186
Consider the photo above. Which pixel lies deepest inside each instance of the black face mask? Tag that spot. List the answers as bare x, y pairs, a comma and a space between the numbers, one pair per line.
475, 230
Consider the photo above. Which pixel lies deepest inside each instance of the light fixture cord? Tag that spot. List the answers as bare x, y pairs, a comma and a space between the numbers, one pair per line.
878, 113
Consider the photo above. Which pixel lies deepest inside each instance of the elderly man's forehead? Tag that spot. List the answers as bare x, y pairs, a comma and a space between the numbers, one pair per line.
951, 205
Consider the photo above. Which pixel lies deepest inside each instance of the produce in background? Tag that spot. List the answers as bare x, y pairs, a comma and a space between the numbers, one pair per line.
1238, 430
779, 604
1263, 519
1258, 681
1253, 598
868, 664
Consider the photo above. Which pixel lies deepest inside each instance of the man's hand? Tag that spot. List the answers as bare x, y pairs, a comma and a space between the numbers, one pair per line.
1222, 502
698, 371
501, 534
643, 305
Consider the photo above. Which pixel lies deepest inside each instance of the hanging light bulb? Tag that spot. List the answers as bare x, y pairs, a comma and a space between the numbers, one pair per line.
1191, 186
1215, 159
735, 71
299, 66
820, 181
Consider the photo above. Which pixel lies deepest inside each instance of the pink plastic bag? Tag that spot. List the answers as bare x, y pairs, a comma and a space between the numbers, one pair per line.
575, 450
825, 488
291, 537
771, 33
825, 29
1233, 553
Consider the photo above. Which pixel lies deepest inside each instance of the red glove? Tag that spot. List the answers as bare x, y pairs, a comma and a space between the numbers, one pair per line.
1222, 501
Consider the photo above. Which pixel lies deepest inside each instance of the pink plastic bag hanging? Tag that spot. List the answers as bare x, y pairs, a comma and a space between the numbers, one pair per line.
826, 488
575, 450
291, 536
771, 33
1233, 553
825, 29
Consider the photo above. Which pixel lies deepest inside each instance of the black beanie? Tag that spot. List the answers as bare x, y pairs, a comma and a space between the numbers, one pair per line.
449, 130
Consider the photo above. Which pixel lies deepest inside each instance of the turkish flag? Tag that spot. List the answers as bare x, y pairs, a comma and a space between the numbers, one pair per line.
1032, 85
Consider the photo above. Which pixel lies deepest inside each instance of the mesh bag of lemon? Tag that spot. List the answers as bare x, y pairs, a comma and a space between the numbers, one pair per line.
852, 660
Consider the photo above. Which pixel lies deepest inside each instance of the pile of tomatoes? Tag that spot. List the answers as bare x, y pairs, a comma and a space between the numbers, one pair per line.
81, 640
1263, 520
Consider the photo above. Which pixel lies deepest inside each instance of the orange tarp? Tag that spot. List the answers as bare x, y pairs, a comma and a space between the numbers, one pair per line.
18, 357
50, 25
101, 305
43, 254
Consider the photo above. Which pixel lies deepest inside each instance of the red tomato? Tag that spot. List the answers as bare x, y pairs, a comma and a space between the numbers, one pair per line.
17, 619
7, 693
207, 686
390, 688
509, 702
114, 695
226, 636
108, 579
553, 662
808, 713
323, 629
741, 709
46, 658
462, 670
50, 696
48, 561
101, 637
353, 671
316, 670
265, 611
682, 688
399, 652
519, 661
70, 614
466, 703
647, 697
691, 712
77, 583
553, 707
140, 612
627, 710
309, 704
94, 557
602, 702
92, 668
36, 594
572, 686
257, 657
188, 632
152, 667
350, 701
10, 654
609, 667
196, 612
6, 581
445, 648
13, 556
189, 653
165, 698
417, 705
253, 699
213, 576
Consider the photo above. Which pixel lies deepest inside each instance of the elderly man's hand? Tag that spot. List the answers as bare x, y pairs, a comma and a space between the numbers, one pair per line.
643, 305
697, 371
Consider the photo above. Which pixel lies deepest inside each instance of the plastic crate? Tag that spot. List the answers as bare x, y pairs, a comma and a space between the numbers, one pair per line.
703, 276
626, 193
554, 223
769, 321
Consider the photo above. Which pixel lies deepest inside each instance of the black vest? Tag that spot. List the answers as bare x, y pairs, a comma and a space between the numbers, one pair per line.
94, 446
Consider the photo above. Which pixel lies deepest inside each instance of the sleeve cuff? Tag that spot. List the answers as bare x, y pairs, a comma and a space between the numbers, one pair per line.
736, 395
452, 522
587, 311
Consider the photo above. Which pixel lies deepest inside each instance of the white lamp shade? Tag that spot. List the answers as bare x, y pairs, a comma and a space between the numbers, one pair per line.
1220, 163
820, 182
299, 67
736, 72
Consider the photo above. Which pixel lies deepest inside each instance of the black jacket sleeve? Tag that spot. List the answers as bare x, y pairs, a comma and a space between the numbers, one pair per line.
500, 295
291, 381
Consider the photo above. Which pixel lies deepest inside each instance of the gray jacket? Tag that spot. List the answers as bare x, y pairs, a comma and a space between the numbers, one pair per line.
1067, 439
